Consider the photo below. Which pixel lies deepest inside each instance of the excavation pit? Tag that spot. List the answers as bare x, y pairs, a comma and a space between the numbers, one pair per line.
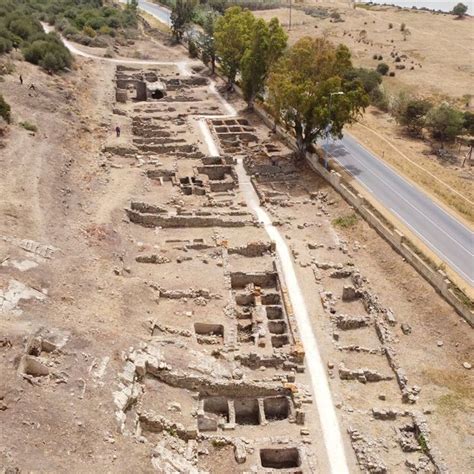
218, 406
280, 340
271, 299
246, 411
263, 280
274, 312
285, 458
276, 408
277, 327
245, 331
209, 333
244, 299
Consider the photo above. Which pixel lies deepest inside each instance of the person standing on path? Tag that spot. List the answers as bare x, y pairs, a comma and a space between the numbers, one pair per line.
21, 79
117, 131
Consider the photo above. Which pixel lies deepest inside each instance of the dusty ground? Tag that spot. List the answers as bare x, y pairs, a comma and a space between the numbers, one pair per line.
438, 52
438, 43
85, 289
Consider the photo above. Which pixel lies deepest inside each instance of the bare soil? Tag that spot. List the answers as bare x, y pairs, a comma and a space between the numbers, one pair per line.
66, 187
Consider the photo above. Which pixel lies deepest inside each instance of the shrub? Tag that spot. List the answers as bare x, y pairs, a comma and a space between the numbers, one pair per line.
390, 26
445, 123
369, 78
106, 30
89, 31
391, 74
24, 28
193, 49
411, 113
49, 53
468, 122
379, 99
69, 32
345, 222
5, 45
5, 110
382, 68
29, 126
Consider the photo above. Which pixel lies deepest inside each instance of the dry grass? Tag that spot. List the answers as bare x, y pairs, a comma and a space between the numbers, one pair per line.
459, 386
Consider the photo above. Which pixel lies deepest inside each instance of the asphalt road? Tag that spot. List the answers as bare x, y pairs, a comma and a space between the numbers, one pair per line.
160, 13
446, 236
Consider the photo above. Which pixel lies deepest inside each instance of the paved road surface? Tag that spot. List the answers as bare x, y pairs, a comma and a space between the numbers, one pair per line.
452, 241
447, 237
160, 13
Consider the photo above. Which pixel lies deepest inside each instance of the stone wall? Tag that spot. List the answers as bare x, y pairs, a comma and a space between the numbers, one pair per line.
437, 278
397, 240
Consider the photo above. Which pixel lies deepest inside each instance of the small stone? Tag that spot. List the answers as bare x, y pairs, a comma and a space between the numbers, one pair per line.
439, 343
382, 397
467, 365
406, 329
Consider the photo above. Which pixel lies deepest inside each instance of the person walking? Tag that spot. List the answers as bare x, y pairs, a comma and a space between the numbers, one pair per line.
117, 131
21, 79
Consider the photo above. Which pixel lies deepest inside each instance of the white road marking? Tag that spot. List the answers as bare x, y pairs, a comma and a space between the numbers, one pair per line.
443, 256
405, 182
407, 202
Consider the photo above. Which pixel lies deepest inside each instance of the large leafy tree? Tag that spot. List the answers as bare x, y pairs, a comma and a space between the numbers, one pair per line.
232, 37
181, 16
267, 44
411, 113
207, 41
311, 92
445, 123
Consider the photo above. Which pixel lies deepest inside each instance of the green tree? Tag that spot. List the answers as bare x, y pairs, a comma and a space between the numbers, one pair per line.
459, 10
382, 68
267, 44
181, 16
411, 113
132, 5
445, 123
207, 42
308, 89
468, 123
232, 36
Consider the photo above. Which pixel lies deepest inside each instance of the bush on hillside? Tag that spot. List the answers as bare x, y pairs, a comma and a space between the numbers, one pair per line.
468, 118
49, 53
445, 123
411, 113
382, 68
5, 110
